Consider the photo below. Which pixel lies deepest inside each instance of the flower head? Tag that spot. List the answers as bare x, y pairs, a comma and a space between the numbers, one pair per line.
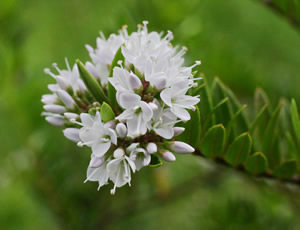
125, 103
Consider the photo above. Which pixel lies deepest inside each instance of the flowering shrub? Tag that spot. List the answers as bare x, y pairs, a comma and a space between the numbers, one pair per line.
125, 103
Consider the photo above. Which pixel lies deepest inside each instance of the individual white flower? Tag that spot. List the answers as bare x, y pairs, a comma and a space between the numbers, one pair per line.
103, 55
162, 121
142, 46
97, 171
124, 81
140, 156
175, 97
95, 134
137, 113
66, 78
119, 171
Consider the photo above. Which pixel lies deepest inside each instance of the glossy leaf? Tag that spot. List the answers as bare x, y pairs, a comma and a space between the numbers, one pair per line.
286, 170
224, 114
239, 150
213, 141
192, 130
111, 90
257, 163
91, 83
270, 143
106, 112
295, 121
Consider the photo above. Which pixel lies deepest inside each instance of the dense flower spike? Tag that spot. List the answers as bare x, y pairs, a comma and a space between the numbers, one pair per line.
151, 88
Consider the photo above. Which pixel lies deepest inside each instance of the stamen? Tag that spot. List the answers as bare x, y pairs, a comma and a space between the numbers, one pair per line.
67, 64
47, 71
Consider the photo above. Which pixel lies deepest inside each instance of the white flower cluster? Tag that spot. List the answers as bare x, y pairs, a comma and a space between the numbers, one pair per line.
151, 86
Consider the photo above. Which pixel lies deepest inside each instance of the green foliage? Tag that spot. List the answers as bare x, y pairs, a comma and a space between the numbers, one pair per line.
257, 163
106, 112
155, 161
213, 142
111, 90
269, 145
91, 83
239, 150
287, 169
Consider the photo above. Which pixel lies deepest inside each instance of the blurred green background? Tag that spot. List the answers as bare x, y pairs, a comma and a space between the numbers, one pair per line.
245, 43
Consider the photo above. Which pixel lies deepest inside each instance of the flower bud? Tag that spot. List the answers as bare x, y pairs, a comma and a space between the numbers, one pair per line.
70, 116
54, 108
118, 153
168, 156
151, 147
66, 98
181, 147
57, 121
72, 134
178, 130
96, 162
121, 130
134, 81
49, 99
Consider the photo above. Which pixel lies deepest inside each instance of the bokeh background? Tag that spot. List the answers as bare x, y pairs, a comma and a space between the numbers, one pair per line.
246, 43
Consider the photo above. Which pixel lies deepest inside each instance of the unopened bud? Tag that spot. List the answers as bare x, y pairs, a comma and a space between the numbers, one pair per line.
181, 147
151, 147
55, 108
66, 98
61, 82
70, 116
121, 130
134, 81
57, 121
178, 130
49, 99
72, 134
168, 156
118, 153
96, 162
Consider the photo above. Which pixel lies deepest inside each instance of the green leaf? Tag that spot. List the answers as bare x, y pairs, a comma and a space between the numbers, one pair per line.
241, 122
118, 57
239, 150
257, 163
213, 141
258, 118
106, 112
206, 105
270, 143
260, 100
295, 121
224, 113
155, 161
286, 170
232, 123
211, 116
191, 134
91, 83
111, 90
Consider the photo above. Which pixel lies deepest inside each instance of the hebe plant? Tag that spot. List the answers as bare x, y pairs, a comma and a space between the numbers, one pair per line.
135, 104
